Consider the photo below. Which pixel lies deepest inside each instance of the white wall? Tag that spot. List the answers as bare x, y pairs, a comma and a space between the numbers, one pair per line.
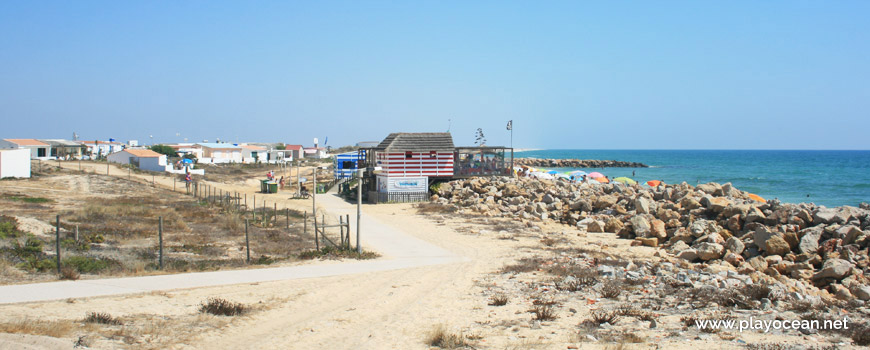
153, 163
15, 163
120, 157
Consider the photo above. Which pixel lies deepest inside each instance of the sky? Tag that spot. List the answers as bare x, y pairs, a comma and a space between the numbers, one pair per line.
571, 75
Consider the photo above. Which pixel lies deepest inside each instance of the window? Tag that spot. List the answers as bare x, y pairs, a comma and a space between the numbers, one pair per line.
40, 152
348, 164
408, 155
433, 154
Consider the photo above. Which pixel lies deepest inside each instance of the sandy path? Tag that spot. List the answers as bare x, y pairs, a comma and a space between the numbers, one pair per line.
369, 310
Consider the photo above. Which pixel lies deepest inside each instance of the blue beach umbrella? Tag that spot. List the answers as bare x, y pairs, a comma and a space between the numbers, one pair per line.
552, 172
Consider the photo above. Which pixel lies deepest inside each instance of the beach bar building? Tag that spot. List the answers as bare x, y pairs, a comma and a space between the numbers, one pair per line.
410, 162
14, 163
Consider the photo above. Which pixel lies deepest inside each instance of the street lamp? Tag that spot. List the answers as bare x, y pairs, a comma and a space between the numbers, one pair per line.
359, 186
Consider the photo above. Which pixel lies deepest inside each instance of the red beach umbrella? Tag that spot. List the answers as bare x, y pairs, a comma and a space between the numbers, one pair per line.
654, 183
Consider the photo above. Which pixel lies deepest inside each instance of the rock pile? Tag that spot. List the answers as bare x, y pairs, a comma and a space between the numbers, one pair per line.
714, 224
576, 163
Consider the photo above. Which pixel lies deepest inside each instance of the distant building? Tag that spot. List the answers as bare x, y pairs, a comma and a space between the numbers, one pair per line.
15, 163
99, 149
38, 149
346, 164
65, 149
144, 159
296, 150
315, 152
253, 154
183, 149
220, 153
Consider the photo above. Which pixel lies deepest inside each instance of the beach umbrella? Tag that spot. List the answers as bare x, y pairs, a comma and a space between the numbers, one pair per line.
552, 172
601, 179
654, 183
577, 173
757, 198
625, 180
595, 174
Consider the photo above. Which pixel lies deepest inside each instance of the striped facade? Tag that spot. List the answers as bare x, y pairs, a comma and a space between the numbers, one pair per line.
346, 164
411, 163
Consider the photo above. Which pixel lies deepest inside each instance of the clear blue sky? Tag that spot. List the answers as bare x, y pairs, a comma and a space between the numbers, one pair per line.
611, 75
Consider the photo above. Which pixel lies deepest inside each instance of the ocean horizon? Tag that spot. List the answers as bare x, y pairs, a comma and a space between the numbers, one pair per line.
824, 177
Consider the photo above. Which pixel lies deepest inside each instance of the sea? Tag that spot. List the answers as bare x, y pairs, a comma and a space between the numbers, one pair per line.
829, 178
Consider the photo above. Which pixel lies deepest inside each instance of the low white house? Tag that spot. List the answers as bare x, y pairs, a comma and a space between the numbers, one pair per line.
99, 149
220, 153
253, 154
38, 149
14, 163
144, 159
315, 152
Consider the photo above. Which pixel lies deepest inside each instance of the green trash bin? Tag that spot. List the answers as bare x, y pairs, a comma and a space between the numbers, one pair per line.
320, 188
263, 186
273, 187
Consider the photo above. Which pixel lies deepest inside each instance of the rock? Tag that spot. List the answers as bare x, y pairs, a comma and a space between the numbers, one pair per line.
605, 201
709, 251
642, 205
848, 233
548, 199
735, 245
754, 215
595, 226
841, 292
761, 235
832, 216
776, 245
734, 223
791, 238
649, 242
709, 188
834, 268
758, 263
678, 247
613, 225
802, 274
733, 259
640, 225
658, 229
718, 204
703, 227
810, 240
688, 254
861, 291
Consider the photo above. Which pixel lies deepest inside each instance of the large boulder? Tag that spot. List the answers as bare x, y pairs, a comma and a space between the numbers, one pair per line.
595, 226
834, 268
832, 216
777, 245
810, 241
658, 229
709, 188
735, 245
761, 235
848, 233
703, 227
613, 225
605, 201
689, 254
642, 205
709, 251
640, 225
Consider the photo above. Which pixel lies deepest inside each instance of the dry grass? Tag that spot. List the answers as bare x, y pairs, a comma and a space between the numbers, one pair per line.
223, 307
57, 329
499, 299
68, 273
544, 310
611, 289
102, 318
440, 337
602, 316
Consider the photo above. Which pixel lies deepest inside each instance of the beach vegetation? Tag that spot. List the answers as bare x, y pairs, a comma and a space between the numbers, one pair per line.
102, 318
223, 307
440, 337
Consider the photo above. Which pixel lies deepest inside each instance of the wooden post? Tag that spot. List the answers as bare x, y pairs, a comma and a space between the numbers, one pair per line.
341, 231
57, 241
304, 222
347, 229
129, 173
160, 238
152, 180
275, 214
316, 241
173, 184
287, 210
247, 242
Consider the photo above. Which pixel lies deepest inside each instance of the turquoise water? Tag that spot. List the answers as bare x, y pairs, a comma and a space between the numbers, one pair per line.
829, 178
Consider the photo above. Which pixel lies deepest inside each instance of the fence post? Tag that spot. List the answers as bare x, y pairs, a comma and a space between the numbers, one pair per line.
304, 223
316, 241
347, 229
287, 210
57, 242
275, 214
341, 231
173, 184
247, 242
160, 237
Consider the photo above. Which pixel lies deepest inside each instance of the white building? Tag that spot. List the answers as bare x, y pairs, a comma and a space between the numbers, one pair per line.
144, 159
315, 152
253, 154
38, 149
99, 149
14, 163
220, 153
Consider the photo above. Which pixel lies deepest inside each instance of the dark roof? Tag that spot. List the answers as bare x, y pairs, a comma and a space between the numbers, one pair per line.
421, 141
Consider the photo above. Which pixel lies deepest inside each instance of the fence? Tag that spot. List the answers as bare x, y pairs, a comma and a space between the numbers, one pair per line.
398, 197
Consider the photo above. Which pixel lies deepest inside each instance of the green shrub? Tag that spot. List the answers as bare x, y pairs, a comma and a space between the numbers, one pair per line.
85, 264
164, 149
72, 244
8, 227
